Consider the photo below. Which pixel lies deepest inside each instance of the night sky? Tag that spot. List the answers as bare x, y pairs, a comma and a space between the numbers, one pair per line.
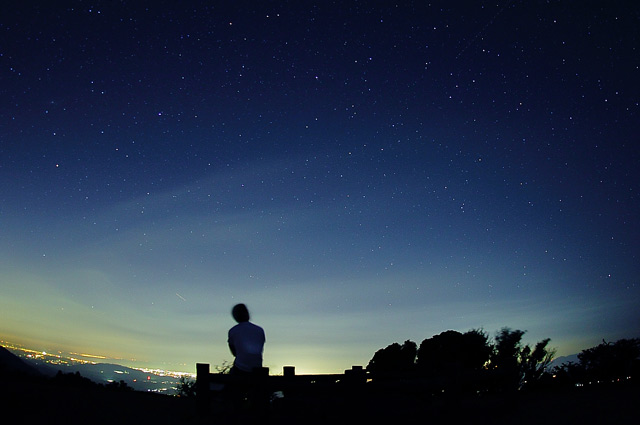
357, 173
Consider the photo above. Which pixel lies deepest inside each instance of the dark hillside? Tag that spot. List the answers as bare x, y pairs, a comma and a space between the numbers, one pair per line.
10, 364
43, 401
47, 401
70, 398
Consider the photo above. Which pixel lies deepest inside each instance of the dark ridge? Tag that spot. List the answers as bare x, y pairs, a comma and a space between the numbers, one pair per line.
12, 365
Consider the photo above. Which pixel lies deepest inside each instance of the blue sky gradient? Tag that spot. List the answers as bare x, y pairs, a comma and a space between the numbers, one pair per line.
357, 174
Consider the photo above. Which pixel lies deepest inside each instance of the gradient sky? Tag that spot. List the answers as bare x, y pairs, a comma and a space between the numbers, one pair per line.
357, 173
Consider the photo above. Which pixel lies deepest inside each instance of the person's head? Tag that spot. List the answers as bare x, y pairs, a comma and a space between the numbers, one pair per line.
240, 313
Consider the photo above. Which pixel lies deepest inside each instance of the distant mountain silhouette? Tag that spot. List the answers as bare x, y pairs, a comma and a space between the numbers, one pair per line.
559, 361
32, 398
10, 364
104, 373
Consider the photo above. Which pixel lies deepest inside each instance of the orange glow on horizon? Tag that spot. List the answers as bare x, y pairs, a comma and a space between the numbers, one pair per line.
91, 356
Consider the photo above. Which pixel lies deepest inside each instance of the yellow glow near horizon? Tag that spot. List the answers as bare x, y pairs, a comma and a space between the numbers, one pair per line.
91, 356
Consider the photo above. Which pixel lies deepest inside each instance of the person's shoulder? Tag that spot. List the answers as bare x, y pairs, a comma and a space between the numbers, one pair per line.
245, 325
234, 328
253, 325
258, 328
242, 325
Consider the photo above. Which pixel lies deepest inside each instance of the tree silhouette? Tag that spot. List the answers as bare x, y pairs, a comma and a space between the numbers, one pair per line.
408, 353
439, 351
616, 360
535, 363
453, 360
610, 361
394, 359
186, 387
504, 361
452, 349
466, 361
476, 348
118, 386
515, 365
224, 367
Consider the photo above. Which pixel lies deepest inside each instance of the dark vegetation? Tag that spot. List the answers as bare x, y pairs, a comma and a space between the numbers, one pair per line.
472, 362
466, 362
452, 377
456, 377
30, 397
469, 377
606, 363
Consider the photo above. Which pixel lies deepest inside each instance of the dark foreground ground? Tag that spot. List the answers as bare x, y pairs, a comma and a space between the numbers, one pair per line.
42, 403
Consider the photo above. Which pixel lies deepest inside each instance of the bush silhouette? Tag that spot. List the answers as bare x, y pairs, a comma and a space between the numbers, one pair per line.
605, 363
466, 361
394, 359
454, 350
514, 365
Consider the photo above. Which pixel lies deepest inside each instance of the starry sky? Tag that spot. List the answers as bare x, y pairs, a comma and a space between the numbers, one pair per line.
358, 173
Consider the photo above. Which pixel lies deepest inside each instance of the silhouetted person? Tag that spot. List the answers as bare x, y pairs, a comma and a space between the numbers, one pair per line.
246, 342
